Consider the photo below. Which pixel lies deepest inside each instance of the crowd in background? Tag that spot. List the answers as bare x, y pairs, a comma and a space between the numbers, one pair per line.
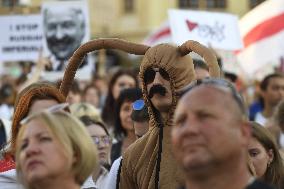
105, 106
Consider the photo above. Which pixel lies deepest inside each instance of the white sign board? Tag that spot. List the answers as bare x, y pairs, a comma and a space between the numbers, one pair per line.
20, 37
66, 27
219, 30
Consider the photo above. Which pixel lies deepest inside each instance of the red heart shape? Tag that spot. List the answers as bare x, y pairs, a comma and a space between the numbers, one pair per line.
191, 25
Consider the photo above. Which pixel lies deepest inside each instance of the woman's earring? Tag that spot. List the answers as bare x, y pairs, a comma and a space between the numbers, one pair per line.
268, 163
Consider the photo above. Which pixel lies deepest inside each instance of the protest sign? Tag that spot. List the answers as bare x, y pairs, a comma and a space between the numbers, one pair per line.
219, 30
21, 37
66, 27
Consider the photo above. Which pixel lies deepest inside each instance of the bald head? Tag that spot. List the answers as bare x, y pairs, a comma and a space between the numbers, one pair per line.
209, 129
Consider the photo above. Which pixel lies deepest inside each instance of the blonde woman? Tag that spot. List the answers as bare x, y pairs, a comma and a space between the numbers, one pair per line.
54, 151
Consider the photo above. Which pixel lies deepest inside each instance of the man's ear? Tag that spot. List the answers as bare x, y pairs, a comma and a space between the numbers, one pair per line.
245, 132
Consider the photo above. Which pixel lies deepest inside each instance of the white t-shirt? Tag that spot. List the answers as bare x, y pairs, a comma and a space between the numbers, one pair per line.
259, 118
8, 180
281, 140
112, 175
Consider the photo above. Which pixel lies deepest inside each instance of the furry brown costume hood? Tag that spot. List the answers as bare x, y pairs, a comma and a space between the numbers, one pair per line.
149, 162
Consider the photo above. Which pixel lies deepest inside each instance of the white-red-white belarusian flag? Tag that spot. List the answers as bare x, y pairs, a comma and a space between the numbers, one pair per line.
262, 30
160, 35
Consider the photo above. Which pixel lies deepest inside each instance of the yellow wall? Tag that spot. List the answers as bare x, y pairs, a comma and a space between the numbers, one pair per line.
239, 7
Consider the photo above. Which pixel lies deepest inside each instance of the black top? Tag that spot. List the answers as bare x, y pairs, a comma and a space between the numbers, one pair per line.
255, 185
259, 185
115, 151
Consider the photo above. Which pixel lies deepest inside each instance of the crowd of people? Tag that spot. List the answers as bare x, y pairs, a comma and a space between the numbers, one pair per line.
179, 123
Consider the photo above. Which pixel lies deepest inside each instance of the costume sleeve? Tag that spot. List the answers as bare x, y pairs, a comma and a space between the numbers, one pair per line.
126, 175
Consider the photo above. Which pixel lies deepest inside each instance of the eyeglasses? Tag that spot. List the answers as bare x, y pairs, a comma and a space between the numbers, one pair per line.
138, 105
63, 107
150, 74
219, 83
101, 139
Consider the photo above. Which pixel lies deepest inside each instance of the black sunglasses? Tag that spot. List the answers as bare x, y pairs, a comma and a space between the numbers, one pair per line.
220, 83
150, 74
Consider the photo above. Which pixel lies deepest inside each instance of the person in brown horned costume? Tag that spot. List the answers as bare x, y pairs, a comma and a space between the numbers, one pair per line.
164, 71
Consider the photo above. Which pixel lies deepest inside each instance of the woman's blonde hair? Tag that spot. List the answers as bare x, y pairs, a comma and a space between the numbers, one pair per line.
85, 109
74, 138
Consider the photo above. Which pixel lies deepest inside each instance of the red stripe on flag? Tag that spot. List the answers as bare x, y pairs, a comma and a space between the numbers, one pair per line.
264, 30
162, 33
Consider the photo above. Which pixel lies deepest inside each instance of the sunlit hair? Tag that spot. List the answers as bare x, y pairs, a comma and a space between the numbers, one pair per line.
275, 171
85, 109
75, 140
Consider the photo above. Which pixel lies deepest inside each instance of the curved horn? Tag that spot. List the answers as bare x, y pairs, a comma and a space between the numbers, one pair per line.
206, 53
78, 56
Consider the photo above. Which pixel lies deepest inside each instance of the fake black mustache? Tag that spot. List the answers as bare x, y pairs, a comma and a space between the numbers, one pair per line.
159, 89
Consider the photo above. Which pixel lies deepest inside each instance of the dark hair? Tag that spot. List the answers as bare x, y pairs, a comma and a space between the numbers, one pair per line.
127, 95
274, 174
108, 110
265, 82
200, 64
140, 115
90, 86
75, 87
7, 90
87, 121
231, 76
279, 114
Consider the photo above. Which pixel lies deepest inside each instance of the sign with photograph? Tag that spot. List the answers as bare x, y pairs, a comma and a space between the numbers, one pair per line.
66, 27
218, 30
21, 37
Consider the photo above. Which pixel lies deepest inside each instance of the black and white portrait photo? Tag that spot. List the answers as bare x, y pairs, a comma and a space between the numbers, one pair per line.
66, 27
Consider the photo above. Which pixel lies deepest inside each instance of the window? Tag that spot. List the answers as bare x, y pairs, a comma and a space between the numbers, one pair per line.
128, 6
216, 3
188, 3
254, 3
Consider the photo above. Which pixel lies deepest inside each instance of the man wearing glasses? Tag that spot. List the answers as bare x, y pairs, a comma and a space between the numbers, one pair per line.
210, 137
149, 162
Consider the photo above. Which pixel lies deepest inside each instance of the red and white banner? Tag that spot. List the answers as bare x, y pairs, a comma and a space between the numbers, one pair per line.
262, 30
162, 34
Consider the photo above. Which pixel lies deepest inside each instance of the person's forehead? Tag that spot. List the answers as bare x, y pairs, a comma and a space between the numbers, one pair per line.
35, 127
276, 81
60, 14
204, 94
39, 105
96, 130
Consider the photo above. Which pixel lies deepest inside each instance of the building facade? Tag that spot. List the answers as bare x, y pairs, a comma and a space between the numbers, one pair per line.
132, 19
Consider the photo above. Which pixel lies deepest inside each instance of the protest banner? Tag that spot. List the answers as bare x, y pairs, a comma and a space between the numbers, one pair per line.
66, 27
262, 30
220, 31
21, 37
